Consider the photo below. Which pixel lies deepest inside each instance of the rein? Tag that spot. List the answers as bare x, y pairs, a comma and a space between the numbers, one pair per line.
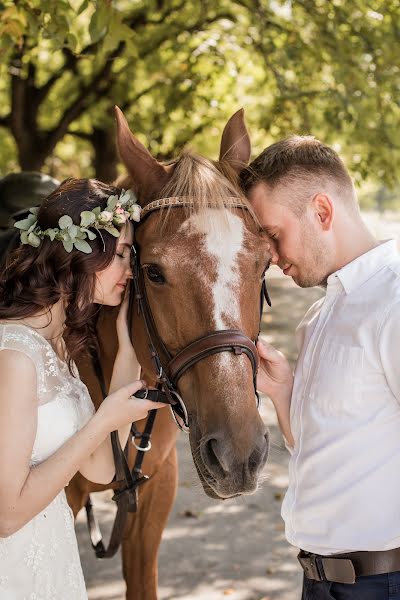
168, 370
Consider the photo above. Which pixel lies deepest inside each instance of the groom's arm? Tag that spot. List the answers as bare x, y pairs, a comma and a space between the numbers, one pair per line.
275, 379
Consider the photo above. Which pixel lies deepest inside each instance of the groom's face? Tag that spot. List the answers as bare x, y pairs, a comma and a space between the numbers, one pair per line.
298, 246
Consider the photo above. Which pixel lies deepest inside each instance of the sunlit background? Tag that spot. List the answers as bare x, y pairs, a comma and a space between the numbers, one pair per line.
179, 69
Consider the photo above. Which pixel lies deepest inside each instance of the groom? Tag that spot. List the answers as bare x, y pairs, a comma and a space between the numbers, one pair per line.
342, 506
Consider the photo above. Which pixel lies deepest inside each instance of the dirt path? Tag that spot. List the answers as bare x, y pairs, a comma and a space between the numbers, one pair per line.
215, 550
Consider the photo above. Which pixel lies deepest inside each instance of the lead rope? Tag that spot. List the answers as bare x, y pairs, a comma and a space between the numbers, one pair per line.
264, 295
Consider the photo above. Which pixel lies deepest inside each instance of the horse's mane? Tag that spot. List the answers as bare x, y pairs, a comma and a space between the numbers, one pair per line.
207, 183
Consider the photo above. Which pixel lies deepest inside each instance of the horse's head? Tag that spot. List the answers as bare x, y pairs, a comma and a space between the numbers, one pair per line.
202, 265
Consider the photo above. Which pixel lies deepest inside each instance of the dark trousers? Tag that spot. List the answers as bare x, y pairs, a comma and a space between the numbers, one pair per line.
373, 587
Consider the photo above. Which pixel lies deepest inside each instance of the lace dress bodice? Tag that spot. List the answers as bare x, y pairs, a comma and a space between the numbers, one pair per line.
41, 560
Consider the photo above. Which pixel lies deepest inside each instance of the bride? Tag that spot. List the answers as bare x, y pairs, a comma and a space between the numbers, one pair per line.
74, 255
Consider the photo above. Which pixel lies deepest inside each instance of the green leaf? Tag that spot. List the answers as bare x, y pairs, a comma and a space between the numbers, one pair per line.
96, 211
82, 246
73, 231
99, 23
24, 237
68, 245
34, 240
111, 203
51, 233
65, 221
91, 235
34, 210
113, 230
71, 41
27, 223
83, 7
87, 218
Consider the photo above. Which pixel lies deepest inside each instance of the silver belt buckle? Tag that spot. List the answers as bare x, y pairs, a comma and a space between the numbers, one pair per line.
340, 570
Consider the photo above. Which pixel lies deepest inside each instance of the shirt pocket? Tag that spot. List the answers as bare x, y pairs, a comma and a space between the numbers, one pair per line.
336, 388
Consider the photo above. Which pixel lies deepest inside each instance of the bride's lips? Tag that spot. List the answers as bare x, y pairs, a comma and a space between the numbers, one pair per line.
122, 285
286, 271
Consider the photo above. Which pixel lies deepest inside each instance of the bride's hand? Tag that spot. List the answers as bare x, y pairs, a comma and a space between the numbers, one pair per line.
124, 341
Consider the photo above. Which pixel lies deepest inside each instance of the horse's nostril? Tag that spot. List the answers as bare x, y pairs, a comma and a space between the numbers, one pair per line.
212, 458
259, 455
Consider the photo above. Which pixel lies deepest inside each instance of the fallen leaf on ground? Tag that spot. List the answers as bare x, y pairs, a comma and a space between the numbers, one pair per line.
189, 514
279, 495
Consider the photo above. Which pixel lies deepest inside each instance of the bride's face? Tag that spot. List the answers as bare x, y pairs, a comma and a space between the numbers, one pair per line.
111, 283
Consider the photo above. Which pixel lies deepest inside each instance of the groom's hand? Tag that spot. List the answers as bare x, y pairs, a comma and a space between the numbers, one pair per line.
275, 376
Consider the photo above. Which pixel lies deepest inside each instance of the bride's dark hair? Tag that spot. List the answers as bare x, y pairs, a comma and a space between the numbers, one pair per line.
36, 278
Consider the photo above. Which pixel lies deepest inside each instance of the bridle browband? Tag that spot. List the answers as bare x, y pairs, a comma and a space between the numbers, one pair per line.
168, 370
179, 201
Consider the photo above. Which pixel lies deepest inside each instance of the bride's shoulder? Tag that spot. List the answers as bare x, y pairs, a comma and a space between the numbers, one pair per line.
17, 336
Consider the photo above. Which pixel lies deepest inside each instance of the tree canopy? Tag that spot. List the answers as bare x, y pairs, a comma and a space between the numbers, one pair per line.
179, 68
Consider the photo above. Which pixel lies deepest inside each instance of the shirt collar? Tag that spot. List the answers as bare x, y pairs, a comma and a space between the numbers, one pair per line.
359, 270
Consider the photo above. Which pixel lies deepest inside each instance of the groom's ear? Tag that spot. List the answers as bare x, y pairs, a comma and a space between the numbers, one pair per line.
235, 142
324, 211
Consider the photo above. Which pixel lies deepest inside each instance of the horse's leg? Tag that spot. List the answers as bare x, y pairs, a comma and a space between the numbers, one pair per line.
77, 492
144, 531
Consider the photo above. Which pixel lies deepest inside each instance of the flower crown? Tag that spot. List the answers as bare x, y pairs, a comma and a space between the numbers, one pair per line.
118, 211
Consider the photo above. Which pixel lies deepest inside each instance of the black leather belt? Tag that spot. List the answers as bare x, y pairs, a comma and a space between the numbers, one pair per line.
344, 568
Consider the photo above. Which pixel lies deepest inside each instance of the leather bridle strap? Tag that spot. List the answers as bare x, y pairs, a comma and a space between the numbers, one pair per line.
220, 341
126, 496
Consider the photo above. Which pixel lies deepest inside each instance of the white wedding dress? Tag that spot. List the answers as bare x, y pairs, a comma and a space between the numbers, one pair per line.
41, 560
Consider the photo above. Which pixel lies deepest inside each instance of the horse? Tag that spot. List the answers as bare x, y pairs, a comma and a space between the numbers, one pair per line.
203, 257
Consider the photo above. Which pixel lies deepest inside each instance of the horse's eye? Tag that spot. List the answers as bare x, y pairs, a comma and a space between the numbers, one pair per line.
154, 274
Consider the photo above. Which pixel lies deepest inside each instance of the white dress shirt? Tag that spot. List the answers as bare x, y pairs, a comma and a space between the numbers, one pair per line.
344, 473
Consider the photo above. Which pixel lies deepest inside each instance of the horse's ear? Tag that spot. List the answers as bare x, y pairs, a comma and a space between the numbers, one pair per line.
148, 175
235, 142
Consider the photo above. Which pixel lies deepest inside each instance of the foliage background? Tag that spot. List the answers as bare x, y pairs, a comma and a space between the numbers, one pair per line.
179, 69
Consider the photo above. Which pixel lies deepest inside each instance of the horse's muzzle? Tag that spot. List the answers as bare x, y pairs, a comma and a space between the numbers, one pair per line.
226, 470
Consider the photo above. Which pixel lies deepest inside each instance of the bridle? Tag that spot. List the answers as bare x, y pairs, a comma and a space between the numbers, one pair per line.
168, 370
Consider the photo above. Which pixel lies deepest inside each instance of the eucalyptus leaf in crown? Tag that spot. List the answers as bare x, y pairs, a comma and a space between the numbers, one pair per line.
118, 211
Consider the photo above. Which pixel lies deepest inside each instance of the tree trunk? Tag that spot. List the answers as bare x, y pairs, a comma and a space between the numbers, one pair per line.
30, 159
105, 154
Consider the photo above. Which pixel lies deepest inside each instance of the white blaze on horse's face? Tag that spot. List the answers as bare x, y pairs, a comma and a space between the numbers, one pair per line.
224, 249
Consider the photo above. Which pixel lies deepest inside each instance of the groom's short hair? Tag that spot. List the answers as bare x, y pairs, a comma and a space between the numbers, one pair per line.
303, 164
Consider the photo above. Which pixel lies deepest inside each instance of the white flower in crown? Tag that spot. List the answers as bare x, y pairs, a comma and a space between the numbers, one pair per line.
121, 218
135, 212
105, 216
118, 211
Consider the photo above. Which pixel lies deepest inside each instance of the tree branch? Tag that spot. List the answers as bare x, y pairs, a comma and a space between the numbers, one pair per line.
83, 100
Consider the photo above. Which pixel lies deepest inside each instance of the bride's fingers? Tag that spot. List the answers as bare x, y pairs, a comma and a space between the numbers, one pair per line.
123, 310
